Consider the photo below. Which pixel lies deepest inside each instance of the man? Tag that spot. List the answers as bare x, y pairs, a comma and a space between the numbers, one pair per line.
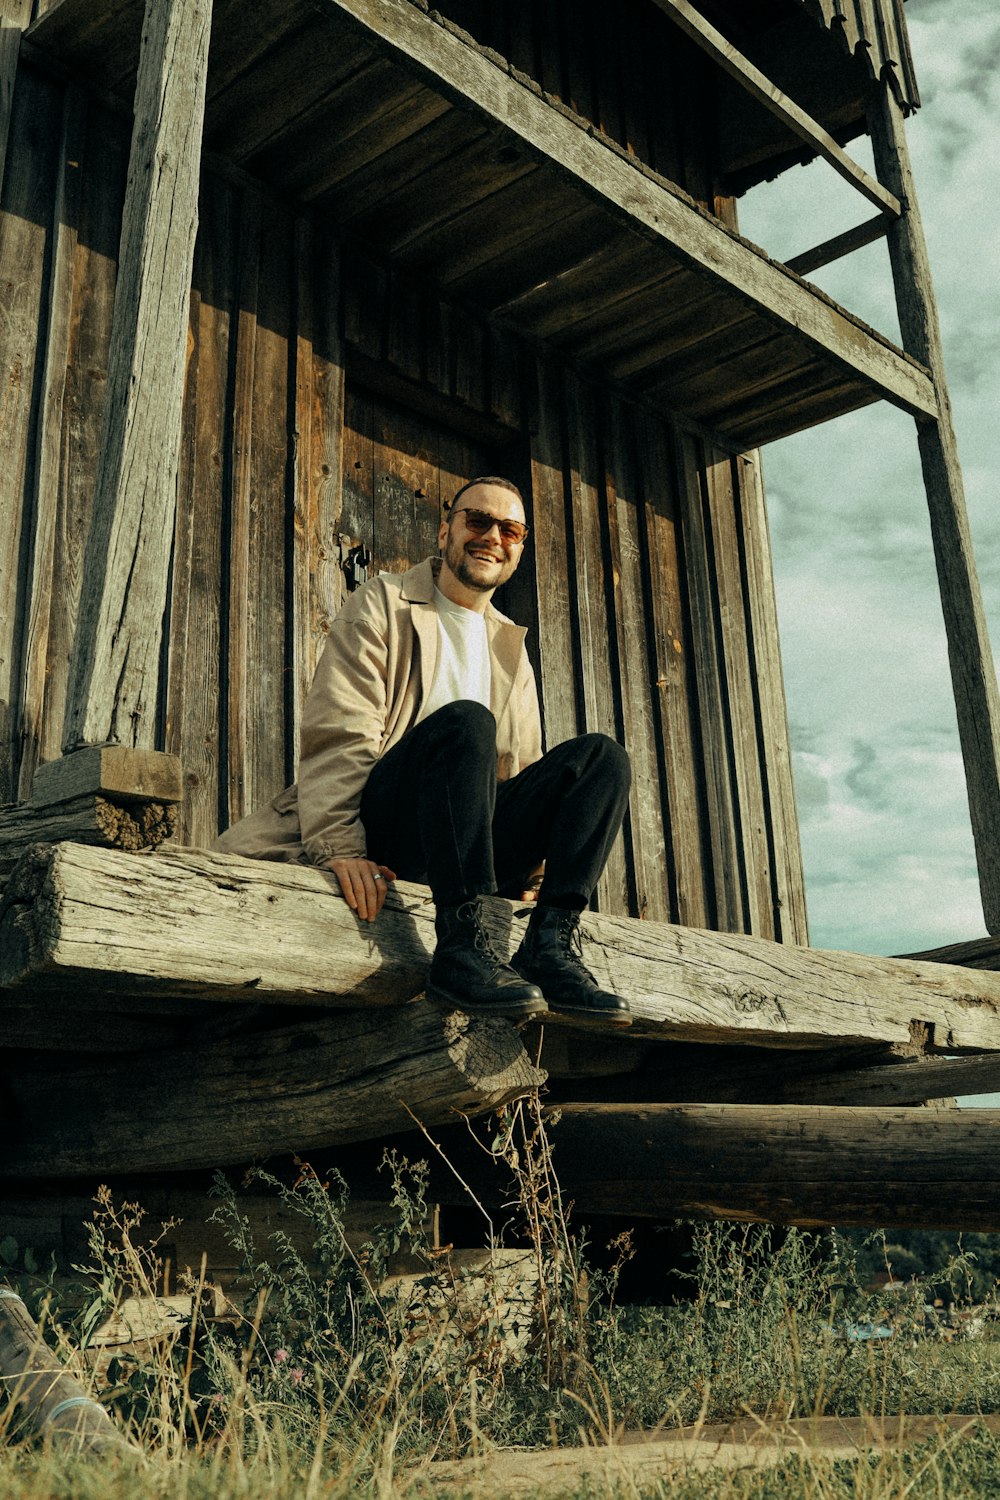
421, 757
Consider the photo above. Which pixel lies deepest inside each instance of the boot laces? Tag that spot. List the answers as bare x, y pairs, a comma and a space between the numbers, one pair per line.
571, 943
472, 912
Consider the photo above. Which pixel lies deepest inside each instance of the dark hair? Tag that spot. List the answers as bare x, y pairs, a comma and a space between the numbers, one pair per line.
504, 484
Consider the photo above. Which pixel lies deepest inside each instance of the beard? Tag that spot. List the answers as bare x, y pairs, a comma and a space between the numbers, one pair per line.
471, 572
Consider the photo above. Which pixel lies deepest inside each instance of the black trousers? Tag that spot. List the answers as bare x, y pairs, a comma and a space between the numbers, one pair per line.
434, 811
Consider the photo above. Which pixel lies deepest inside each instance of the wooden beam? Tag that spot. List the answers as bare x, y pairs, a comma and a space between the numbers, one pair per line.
840, 245
111, 822
760, 87
643, 202
14, 17
683, 1074
115, 670
48, 501
978, 953
349, 1077
787, 1164
109, 770
970, 656
189, 923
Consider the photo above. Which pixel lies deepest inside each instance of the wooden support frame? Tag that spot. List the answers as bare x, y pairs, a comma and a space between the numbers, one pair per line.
646, 205
115, 665
760, 87
840, 245
970, 657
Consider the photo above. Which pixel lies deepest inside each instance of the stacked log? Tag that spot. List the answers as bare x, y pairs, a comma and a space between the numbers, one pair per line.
243, 1010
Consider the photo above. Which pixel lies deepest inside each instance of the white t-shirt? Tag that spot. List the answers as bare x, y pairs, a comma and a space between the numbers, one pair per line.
463, 664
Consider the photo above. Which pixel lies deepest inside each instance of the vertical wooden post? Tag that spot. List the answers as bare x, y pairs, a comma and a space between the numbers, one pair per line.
972, 669
113, 682
14, 16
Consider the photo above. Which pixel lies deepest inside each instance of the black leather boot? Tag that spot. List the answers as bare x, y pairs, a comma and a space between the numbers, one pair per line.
552, 955
468, 974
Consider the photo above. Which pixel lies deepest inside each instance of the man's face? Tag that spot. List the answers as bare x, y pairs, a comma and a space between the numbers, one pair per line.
481, 561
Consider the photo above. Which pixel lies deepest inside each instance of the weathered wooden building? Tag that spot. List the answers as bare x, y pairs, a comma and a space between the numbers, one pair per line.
276, 279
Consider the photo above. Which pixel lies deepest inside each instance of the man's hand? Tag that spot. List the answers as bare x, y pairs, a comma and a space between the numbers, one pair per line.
364, 884
532, 883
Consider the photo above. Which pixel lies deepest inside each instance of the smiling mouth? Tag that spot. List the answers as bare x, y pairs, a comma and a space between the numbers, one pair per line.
482, 556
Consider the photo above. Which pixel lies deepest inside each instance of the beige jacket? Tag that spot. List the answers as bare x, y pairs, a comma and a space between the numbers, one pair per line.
374, 673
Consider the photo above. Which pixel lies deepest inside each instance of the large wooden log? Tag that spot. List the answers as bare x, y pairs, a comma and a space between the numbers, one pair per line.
183, 923
355, 1076
684, 1074
116, 660
788, 1164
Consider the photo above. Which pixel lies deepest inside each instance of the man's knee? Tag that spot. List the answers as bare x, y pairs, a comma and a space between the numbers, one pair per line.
613, 758
465, 724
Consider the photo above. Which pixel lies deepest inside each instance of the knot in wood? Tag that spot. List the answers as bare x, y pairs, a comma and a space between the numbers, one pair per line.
749, 1002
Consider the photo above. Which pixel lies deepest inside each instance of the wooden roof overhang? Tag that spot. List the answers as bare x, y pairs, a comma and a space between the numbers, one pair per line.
438, 156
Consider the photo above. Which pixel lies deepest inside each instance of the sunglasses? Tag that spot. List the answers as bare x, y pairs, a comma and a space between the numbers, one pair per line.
480, 521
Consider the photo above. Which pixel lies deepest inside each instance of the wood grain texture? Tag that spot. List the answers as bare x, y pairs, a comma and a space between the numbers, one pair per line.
235, 798
839, 245
973, 672
647, 835
14, 17
186, 922
786, 1164
669, 632
334, 1079
45, 489
686, 1073
978, 953
103, 169
593, 624
725, 871
316, 592
549, 546
196, 704
774, 747
29, 192
268, 690
117, 770
740, 697
116, 662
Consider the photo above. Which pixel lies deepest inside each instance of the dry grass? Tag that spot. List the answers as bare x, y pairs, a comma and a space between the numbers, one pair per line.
325, 1383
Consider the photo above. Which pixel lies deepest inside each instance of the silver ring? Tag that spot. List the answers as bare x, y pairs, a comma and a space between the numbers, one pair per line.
378, 875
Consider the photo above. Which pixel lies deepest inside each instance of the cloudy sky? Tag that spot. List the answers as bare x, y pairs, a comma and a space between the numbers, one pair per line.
885, 827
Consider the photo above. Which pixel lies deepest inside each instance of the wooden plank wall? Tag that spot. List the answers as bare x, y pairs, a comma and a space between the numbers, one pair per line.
329, 400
